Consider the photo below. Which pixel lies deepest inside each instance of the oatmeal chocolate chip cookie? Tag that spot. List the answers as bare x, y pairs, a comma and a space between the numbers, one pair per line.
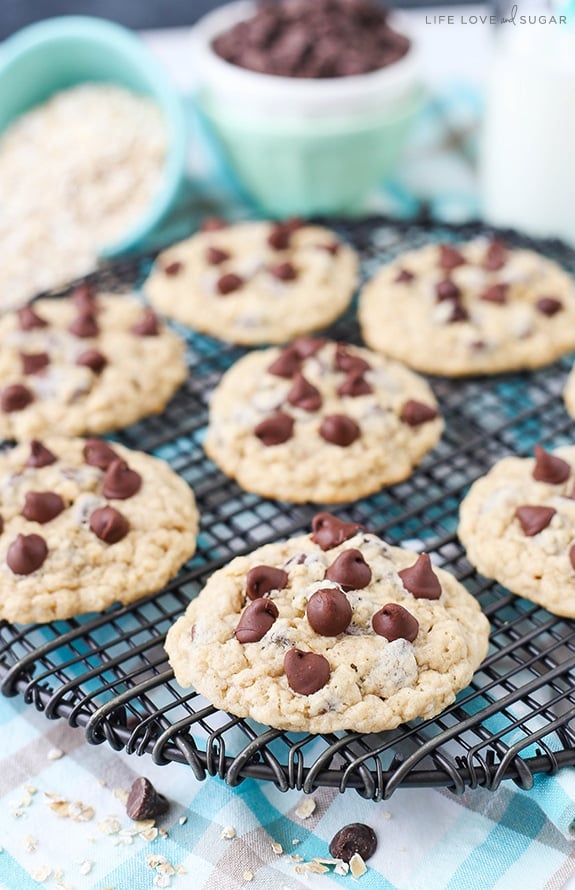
255, 282
85, 524
475, 308
517, 524
320, 421
86, 363
347, 633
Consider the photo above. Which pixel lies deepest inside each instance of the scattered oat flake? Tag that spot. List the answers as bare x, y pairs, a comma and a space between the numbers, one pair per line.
150, 834
162, 881
182, 820
109, 825
386, 814
120, 794
316, 868
162, 832
180, 870
86, 866
277, 848
228, 833
55, 754
41, 874
326, 861
248, 876
357, 866
31, 789
154, 859
306, 808
30, 843
295, 841
341, 868
141, 825
295, 857
79, 812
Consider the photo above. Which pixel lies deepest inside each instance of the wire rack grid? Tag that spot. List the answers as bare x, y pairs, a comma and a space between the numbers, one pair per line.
109, 674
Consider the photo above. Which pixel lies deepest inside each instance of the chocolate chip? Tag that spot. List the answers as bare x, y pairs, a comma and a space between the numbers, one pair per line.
339, 429
263, 579
213, 224
85, 325
572, 555
548, 306
256, 620
497, 293
109, 524
284, 271
144, 802
42, 506
415, 413
28, 319
447, 290
349, 570
275, 430
279, 237
98, 454
421, 580
26, 554
93, 360
304, 394
351, 839
147, 326
228, 283
33, 362
84, 297
328, 531
173, 269
120, 482
346, 361
495, 256
329, 612
286, 364
40, 456
395, 623
332, 247
306, 672
449, 257
308, 346
458, 313
215, 256
534, 519
404, 276
549, 468
15, 397
354, 385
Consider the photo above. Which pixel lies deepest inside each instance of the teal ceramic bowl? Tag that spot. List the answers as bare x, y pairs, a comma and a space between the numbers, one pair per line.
303, 146
59, 53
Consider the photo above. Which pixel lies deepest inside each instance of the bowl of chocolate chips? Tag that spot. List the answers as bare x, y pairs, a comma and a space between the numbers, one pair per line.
310, 102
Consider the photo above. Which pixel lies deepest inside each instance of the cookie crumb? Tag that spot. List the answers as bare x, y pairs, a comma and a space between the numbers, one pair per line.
55, 754
41, 874
248, 876
306, 808
357, 866
228, 833
277, 848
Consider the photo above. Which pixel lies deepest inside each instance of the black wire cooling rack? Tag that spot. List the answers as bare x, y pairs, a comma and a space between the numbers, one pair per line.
109, 674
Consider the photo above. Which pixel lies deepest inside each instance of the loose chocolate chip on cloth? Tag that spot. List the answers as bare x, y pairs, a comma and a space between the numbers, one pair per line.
275, 282
84, 368
316, 653
517, 524
499, 309
283, 424
357, 837
69, 545
144, 802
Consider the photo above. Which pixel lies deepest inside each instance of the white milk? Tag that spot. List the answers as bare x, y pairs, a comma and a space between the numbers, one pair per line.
528, 145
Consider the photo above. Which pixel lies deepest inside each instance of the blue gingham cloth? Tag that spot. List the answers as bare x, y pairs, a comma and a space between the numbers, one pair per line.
62, 802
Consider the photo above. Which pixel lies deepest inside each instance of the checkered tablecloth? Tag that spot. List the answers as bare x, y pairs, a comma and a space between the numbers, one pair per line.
62, 802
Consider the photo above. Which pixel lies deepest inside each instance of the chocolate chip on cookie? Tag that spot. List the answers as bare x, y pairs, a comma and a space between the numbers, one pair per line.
548, 306
256, 620
534, 519
395, 623
450, 257
40, 456
15, 397
98, 454
109, 525
42, 506
33, 362
497, 293
329, 612
306, 672
354, 385
308, 346
120, 482
304, 394
404, 276
415, 413
28, 319
328, 531
331, 247
349, 570
263, 579
148, 325
495, 256
286, 364
215, 256
279, 237
284, 271
339, 429
229, 283
92, 359
144, 802
458, 313
421, 580
26, 554
275, 430
347, 361
173, 269
84, 325
447, 290
84, 297
549, 468
351, 839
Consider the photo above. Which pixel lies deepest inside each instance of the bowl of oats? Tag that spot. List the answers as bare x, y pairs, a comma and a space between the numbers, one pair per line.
93, 142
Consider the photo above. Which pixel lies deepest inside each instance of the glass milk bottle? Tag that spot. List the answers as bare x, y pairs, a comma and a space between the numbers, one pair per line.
527, 169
